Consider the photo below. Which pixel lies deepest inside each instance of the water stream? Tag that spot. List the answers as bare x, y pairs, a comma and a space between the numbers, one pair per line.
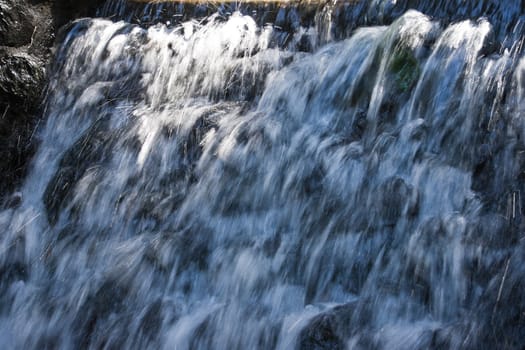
199, 185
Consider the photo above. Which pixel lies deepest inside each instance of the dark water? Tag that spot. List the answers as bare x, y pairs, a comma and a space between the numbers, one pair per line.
201, 186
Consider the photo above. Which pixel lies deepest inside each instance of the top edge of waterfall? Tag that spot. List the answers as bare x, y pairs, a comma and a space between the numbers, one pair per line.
340, 17
305, 2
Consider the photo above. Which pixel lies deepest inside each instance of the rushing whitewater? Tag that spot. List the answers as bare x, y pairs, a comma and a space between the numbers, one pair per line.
198, 186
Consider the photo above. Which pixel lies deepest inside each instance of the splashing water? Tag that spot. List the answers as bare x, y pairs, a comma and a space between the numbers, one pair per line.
198, 187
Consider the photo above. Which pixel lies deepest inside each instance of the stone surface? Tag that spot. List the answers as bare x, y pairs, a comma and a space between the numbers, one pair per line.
27, 34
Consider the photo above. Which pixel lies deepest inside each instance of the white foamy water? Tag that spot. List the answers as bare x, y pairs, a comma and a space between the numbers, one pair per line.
197, 187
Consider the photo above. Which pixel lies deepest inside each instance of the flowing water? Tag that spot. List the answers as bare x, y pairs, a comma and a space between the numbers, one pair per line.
202, 186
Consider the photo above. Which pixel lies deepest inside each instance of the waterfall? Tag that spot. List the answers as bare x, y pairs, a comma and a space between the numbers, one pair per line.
225, 183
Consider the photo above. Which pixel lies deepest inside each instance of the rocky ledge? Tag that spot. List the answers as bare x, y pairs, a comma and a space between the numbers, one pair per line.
27, 34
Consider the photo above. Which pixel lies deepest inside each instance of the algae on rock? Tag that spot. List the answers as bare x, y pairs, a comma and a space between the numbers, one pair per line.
405, 69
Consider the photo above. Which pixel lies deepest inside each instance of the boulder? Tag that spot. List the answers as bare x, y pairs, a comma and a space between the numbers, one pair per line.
27, 34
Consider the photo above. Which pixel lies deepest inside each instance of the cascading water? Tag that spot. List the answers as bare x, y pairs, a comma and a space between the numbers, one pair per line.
198, 186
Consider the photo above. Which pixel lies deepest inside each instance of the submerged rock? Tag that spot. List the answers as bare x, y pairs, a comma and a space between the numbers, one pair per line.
328, 329
405, 69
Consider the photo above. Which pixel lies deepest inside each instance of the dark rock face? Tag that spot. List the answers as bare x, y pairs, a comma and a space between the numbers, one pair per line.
15, 23
67, 10
21, 82
328, 329
27, 33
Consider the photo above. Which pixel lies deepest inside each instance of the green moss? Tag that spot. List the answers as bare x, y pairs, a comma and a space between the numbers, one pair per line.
405, 69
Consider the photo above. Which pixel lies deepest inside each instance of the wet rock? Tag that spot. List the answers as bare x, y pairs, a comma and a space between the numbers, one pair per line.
21, 81
67, 10
502, 306
12, 265
320, 335
305, 43
395, 199
313, 183
358, 127
405, 69
192, 145
15, 23
327, 330
491, 46
88, 151
107, 299
21, 77
27, 34
151, 322
14, 200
